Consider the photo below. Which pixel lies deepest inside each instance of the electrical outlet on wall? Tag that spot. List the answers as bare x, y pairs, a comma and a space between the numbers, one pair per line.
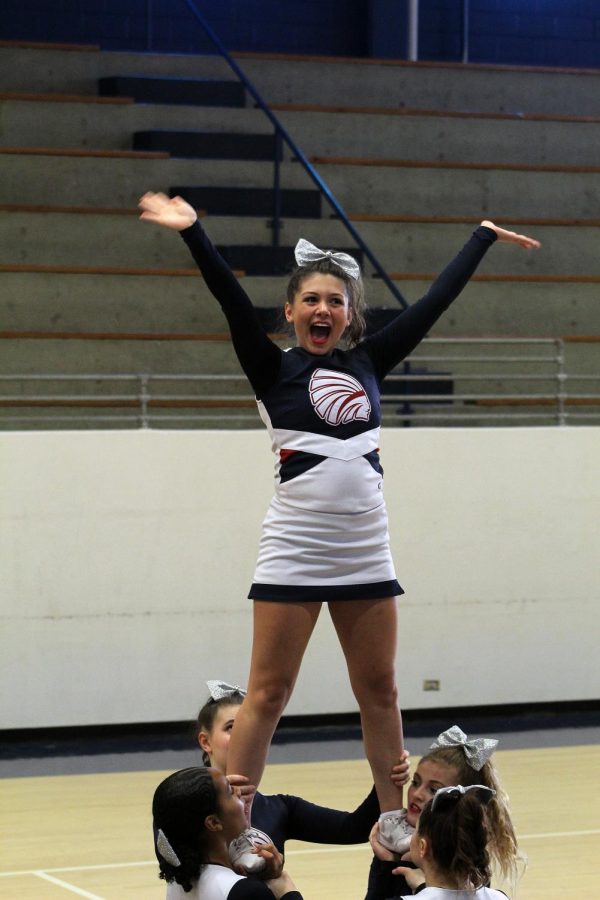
431, 684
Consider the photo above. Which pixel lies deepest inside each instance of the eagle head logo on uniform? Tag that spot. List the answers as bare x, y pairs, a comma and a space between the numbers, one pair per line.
338, 398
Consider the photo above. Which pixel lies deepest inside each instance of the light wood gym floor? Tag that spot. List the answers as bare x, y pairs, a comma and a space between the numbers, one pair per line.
89, 835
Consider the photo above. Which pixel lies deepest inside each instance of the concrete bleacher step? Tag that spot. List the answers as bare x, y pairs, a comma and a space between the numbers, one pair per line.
83, 152
209, 144
430, 135
98, 415
120, 180
174, 91
510, 294
146, 302
53, 419
113, 239
452, 86
142, 303
79, 69
440, 136
516, 355
105, 355
110, 124
396, 162
332, 80
413, 188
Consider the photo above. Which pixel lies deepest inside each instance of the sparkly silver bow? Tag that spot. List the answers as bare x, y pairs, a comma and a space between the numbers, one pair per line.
477, 750
484, 793
220, 689
306, 253
166, 851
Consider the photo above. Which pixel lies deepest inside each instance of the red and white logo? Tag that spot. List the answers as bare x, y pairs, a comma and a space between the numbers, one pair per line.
338, 398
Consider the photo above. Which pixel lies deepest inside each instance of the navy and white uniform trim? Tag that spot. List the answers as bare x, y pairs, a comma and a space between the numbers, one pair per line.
438, 893
325, 535
285, 817
221, 883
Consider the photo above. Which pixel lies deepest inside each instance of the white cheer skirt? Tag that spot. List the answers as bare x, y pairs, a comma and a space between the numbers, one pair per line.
306, 555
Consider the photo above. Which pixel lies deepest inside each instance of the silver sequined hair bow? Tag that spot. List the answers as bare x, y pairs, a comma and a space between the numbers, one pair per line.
306, 253
477, 750
456, 791
166, 851
220, 689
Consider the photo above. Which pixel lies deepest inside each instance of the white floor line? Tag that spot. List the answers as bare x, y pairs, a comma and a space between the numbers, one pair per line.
557, 834
124, 865
67, 886
335, 848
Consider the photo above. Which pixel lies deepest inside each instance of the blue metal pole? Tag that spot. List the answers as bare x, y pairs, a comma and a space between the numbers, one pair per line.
298, 154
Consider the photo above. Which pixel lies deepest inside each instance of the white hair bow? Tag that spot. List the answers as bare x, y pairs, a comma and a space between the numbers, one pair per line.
166, 851
457, 791
220, 689
477, 750
306, 253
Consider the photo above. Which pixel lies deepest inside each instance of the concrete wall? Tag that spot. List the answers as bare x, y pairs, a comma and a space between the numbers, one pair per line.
126, 557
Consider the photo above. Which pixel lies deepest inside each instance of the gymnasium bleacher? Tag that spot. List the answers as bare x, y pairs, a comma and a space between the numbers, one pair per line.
105, 322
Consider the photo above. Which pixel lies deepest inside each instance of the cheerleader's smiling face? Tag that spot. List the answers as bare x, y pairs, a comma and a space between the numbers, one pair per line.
429, 777
320, 313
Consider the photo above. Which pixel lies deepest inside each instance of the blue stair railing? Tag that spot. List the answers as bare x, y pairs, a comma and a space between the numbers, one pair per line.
281, 135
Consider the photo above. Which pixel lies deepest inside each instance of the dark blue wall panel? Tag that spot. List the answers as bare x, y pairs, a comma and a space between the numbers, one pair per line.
526, 32
539, 32
324, 27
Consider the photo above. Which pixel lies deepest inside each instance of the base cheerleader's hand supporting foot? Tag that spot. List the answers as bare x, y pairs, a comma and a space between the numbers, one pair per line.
253, 851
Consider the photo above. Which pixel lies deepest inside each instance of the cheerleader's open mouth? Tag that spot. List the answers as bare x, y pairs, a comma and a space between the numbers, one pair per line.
319, 333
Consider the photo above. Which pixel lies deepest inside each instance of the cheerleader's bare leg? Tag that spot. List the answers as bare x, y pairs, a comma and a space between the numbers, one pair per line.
367, 631
281, 633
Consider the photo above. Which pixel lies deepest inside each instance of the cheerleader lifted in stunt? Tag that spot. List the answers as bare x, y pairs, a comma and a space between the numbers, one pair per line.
325, 536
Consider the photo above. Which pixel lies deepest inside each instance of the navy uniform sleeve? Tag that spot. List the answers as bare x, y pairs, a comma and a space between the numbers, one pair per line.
252, 889
319, 824
398, 339
382, 884
259, 357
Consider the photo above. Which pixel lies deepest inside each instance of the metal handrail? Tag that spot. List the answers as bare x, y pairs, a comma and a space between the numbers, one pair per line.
145, 392
282, 134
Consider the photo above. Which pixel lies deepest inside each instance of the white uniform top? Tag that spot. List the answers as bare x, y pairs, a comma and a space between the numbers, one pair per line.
214, 883
438, 893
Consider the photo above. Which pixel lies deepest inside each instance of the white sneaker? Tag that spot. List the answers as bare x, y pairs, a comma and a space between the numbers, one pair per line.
394, 831
240, 849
